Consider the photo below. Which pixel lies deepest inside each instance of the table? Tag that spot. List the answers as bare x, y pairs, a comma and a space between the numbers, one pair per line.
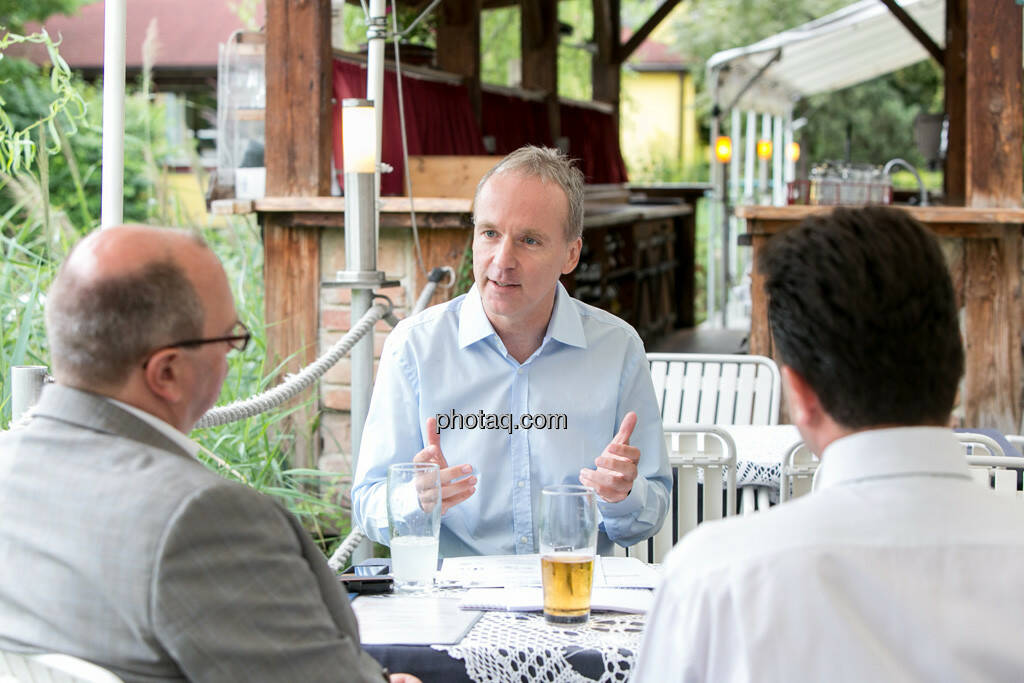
518, 647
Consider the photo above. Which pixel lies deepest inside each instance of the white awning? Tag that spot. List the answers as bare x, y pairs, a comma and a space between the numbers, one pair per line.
849, 46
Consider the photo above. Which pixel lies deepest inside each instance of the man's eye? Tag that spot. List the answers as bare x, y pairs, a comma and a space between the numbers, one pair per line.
490, 233
531, 241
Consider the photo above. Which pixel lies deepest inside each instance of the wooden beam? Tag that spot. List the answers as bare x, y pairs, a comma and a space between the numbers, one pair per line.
539, 39
605, 70
298, 134
458, 45
915, 30
983, 103
644, 31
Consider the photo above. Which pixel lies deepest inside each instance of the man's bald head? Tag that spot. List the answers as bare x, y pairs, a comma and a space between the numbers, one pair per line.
120, 294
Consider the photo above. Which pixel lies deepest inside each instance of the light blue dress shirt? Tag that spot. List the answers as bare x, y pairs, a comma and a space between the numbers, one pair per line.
590, 366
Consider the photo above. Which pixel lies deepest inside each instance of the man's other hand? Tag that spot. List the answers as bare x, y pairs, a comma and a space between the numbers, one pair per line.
456, 486
616, 466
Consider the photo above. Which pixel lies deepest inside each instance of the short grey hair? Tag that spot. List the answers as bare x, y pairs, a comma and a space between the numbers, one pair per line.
549, 165
98, 330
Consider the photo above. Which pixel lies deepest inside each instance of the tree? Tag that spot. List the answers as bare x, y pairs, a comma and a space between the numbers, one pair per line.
14, 14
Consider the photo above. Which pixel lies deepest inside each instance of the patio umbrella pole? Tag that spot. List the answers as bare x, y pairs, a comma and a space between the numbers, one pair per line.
112, 177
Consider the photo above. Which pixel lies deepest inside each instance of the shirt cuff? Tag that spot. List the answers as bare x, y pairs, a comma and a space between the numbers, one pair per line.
630, 505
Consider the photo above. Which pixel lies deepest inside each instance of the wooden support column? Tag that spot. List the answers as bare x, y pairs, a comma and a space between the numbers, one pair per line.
984, 169
539, 38
298, 134
458, 45
606, 65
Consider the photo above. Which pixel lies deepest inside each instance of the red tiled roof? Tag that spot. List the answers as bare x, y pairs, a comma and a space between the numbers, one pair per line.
652, 52
188, 32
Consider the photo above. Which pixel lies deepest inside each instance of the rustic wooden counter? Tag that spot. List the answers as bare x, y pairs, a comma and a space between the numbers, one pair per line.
983, 248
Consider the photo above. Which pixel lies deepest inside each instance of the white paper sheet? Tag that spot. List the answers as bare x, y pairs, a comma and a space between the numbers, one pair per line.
411, 620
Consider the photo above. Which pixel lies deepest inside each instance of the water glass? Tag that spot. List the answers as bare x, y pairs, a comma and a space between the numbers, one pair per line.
414, 519
568, 544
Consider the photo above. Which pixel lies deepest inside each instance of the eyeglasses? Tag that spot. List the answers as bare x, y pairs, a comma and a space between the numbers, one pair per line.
238, 340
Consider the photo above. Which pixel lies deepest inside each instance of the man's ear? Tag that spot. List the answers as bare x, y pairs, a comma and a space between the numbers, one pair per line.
164, 375
573, 256
804, 406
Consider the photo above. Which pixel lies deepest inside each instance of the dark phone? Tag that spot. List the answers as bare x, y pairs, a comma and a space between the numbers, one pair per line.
367, 569
355, 583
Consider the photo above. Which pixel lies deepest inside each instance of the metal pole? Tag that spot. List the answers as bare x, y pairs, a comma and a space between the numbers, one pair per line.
26, 386
725, 245
112, 175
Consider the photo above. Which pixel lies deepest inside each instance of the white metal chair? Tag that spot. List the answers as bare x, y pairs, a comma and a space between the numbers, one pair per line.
693, 449
725, 389
989, 464
51, 668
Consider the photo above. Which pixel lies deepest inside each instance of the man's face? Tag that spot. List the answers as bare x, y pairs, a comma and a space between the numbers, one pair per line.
520, 249
210, 360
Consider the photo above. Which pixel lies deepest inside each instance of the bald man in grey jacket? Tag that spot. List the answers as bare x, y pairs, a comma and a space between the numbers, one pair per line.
117, 545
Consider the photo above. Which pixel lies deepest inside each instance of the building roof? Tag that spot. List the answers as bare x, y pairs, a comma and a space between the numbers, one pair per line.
854, 44
188, 33
653, 55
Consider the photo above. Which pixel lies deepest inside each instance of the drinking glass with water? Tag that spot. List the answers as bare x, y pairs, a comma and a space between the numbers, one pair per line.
568, 543
414, 519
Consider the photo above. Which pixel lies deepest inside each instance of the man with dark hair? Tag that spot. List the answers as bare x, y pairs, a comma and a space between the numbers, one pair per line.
117, 545
516, 385
891, 568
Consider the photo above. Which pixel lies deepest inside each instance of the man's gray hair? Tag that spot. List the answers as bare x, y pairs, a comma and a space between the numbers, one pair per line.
98, 330
549, 165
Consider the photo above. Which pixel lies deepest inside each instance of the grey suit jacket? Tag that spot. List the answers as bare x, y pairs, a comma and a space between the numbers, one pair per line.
117, 547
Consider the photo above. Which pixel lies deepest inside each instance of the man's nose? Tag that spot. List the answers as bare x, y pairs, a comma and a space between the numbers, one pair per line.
504, 257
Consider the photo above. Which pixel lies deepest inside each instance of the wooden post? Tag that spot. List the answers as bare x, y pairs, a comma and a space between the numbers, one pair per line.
984, 169
298, 134
539, 37
458, 45
606, 65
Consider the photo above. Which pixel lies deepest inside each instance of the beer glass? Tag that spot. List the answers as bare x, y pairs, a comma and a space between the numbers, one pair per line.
568, 543
414, 519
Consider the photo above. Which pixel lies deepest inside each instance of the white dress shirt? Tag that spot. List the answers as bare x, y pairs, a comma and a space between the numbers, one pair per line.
898, 567
590, 367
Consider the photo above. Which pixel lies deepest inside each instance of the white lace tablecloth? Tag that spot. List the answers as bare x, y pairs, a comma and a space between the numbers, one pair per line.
519, 647
760, 452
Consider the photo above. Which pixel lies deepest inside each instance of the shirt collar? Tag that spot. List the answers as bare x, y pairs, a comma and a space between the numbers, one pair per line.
190, 446
565, 325
895, 452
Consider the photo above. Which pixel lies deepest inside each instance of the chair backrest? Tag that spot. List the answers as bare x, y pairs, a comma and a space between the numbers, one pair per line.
51, 668
986, 458
706, 389
797, 472
703, 461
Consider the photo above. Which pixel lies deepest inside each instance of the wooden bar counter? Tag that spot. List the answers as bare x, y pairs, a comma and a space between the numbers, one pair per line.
983, 249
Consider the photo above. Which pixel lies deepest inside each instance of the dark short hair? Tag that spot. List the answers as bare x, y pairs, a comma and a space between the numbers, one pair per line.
99, 329
861, 305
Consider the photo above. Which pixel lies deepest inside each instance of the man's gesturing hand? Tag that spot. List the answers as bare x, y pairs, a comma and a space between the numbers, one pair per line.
616, 466
452, 492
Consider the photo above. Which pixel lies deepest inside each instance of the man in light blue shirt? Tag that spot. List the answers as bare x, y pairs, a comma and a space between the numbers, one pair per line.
517, 384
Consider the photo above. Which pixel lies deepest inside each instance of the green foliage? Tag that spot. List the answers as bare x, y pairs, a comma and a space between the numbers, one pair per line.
499, 44
14, 14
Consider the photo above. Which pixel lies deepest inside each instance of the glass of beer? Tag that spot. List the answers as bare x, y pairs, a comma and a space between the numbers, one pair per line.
568, 543
414, 519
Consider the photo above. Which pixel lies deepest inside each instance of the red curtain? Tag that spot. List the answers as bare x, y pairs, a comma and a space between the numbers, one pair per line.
594, 140
439, 120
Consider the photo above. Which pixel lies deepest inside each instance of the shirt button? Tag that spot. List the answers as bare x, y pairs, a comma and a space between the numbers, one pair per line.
522, 483
523, 539
520, 371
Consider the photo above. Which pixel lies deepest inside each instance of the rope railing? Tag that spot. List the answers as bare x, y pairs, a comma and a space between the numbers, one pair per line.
297, 383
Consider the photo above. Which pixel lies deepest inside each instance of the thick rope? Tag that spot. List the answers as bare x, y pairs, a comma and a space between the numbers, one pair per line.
294, 384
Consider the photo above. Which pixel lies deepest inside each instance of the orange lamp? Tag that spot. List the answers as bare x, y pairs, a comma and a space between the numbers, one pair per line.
723, 149
794, 151
764, 148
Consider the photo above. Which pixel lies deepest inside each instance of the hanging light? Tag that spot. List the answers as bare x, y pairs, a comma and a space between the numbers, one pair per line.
764, 149
793, 151
723, 149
